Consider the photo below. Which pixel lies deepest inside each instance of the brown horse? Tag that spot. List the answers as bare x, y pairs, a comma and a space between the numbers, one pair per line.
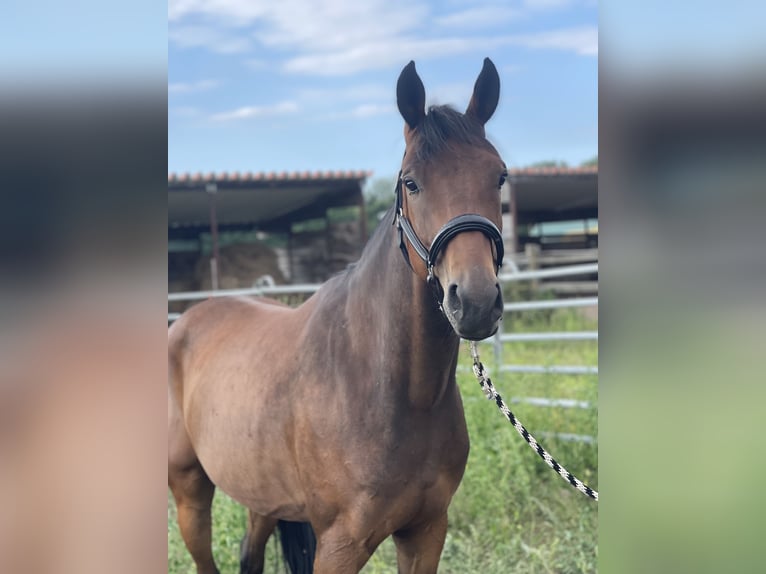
344, 412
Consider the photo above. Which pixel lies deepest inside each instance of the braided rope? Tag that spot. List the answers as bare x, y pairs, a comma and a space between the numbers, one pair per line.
492, 394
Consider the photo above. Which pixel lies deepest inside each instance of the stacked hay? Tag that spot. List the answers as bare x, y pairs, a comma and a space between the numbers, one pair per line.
317, 255
239, 266
345, 244
309, 257
181, 277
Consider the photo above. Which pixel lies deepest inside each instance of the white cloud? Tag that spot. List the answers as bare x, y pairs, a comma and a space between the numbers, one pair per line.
300, 25
339, 37
478, 17
210, 37
339, 24
256, 64
376, 55
547, 4
185, 111
510, 69
226, 10
361, 111
250, 112
583, 41
361, 92
187, 87
369, 110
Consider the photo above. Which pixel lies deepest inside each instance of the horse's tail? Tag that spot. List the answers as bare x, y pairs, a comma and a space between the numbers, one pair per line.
299, 545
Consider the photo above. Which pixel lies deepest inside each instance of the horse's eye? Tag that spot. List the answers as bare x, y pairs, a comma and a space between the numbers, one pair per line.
503, 177
412, 187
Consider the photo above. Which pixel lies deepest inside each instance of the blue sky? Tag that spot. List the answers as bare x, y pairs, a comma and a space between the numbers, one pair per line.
262, 85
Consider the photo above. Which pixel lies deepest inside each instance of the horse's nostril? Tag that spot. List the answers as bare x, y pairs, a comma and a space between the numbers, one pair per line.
453, 299
497, 312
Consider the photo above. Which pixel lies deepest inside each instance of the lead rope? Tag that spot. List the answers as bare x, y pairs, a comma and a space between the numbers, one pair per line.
492, 394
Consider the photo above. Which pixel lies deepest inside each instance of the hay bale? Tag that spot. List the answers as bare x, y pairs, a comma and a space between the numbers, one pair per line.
240, 265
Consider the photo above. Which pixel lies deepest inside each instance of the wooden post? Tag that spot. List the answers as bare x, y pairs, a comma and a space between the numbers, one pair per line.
514, 220
212, 190
532, 251
290, 267
362, 219
328, 246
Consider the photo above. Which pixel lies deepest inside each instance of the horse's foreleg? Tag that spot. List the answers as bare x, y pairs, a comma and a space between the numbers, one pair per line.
193, 492
338, 552
419, 549
253, 548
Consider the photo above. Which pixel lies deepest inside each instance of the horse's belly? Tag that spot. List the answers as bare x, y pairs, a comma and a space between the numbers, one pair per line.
243, 450
264, 493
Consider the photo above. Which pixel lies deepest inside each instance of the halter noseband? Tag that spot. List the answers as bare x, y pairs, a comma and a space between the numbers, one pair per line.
456, 225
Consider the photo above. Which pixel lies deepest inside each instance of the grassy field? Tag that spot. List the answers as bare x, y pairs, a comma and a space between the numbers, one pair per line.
511, 513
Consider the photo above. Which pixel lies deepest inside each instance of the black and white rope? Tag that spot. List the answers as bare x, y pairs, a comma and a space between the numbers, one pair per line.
492, 394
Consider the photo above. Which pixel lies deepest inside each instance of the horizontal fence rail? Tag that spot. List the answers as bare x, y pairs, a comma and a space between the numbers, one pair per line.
552, 304
564, 271
565, 336
246, 292
552, 370
537, 401
569, 437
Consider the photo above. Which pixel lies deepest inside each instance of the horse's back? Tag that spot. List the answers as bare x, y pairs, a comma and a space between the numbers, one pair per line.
216, 326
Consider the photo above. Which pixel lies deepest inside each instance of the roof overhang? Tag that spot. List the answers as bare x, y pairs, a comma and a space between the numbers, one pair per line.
261, 200
554, 194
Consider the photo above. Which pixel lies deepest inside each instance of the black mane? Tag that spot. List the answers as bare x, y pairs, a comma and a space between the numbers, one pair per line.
444, 124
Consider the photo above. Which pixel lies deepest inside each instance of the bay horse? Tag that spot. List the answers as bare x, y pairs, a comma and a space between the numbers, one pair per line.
344, 413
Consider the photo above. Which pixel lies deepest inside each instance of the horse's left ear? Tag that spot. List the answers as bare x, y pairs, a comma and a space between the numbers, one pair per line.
411, 96
486, 93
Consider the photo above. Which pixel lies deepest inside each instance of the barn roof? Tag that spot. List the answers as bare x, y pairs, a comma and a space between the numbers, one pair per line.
553, 193
268, 200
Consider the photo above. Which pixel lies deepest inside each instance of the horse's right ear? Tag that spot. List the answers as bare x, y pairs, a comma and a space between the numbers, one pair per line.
411, 96
486, 93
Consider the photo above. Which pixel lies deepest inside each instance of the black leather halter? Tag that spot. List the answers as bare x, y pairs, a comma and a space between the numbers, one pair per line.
456, 225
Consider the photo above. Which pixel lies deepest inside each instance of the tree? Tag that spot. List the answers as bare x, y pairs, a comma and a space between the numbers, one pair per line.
592, 162
378, 197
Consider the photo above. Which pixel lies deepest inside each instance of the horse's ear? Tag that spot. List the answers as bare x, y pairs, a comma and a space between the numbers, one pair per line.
486, 93
411, 96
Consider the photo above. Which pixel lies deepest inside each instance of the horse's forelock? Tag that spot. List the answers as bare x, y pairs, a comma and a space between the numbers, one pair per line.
444, 125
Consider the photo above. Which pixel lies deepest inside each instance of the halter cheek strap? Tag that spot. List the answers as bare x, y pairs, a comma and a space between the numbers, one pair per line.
455, 226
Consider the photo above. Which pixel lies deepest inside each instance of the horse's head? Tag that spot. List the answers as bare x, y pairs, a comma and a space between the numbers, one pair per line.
451, 170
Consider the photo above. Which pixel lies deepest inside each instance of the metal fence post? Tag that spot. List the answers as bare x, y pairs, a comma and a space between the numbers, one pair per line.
498, 345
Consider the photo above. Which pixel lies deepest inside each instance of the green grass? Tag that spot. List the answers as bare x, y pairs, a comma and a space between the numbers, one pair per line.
511, 513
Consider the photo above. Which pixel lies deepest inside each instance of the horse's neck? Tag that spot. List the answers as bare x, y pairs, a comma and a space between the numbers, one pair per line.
418, 348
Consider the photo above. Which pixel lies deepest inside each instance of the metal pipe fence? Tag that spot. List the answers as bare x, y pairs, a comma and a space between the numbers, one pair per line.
500, 338
246, 292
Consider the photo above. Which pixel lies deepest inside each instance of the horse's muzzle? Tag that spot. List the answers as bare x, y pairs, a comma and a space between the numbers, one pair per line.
474, 307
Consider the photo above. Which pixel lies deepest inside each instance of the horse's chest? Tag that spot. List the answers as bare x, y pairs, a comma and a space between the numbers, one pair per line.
413, 478
415, 455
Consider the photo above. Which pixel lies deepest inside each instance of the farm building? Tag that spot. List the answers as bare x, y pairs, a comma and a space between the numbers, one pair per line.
228, 230
551, 218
